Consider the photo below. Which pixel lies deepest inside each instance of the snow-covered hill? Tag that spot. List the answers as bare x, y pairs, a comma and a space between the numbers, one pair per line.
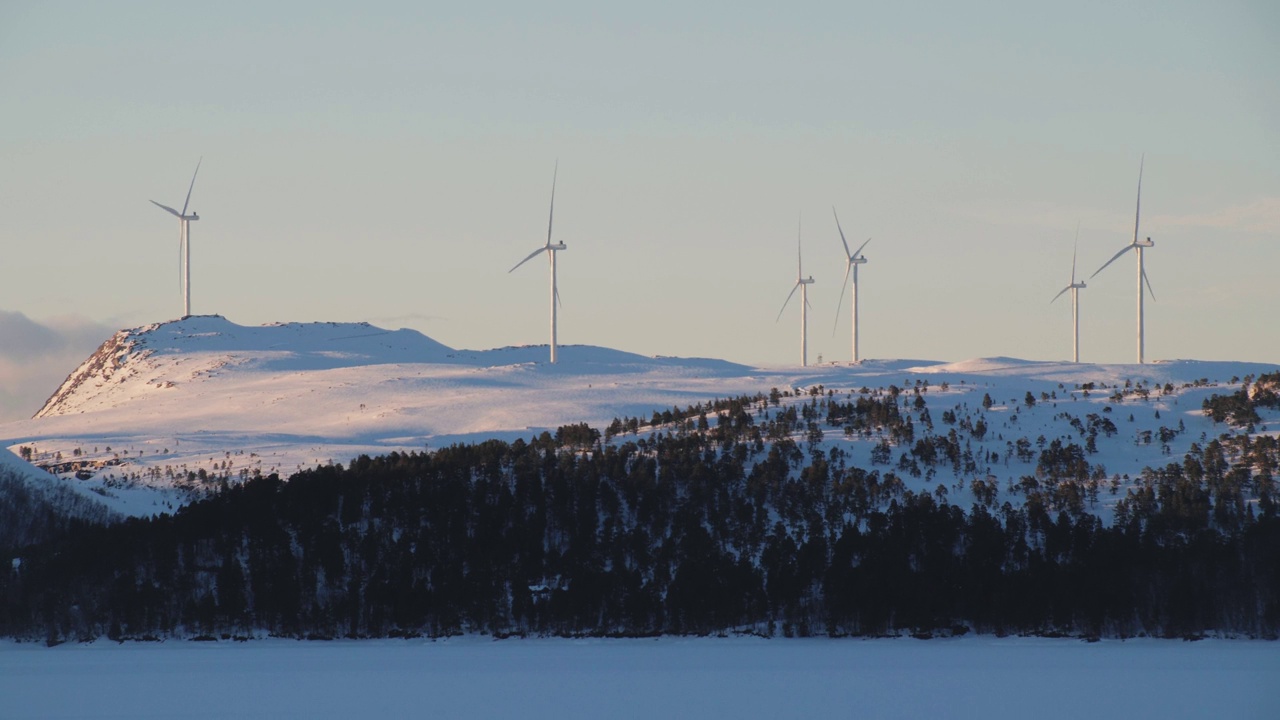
160, 355
163, 409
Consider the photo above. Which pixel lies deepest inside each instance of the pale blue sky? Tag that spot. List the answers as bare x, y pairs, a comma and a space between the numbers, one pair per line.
391, 164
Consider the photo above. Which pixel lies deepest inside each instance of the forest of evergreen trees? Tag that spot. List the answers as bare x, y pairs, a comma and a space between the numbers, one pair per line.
32, 512
725, 517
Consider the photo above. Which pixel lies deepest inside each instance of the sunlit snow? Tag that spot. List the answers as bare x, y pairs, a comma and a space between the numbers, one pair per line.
161, 403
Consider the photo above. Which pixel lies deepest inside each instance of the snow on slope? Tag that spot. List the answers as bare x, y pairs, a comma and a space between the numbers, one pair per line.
17, 468
161, 355
35, 505
1159, 372
204, 394
158, 405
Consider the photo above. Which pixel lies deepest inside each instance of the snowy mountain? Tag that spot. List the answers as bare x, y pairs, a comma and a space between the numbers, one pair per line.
167, 410
152, 355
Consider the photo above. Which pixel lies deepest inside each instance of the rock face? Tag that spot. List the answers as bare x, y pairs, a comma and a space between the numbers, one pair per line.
107, 365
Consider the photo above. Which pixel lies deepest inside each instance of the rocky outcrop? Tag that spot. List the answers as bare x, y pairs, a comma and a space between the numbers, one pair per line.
103, 367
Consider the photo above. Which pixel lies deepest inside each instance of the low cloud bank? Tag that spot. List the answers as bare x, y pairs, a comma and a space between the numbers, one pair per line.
36, 356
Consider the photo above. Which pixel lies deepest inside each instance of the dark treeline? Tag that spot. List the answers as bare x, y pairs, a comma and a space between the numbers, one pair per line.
32, 512
722, 521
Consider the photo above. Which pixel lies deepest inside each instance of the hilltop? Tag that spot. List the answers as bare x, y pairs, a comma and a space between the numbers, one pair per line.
127, 367
165, 410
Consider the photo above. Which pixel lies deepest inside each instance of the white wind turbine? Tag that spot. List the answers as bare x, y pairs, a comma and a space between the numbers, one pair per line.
550, 250
803, 284
1142, 273
184, 241
855, 259
1075, 288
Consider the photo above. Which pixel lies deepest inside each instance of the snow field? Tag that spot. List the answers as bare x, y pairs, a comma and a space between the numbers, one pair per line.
975, 677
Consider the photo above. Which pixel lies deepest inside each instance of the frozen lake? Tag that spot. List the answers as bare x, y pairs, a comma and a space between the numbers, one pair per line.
984, 678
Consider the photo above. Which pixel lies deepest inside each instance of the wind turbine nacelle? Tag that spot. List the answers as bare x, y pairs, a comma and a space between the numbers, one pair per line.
558, 246
860, 260
807, 281
1145, 243
192, 216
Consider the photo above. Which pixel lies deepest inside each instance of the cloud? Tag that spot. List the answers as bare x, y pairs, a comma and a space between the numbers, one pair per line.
35, 357
407, 319
1045, 216
1261, 217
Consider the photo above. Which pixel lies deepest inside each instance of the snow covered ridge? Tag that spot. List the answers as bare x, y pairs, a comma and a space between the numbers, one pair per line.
147, 351
205, 345
175, 405
168, 409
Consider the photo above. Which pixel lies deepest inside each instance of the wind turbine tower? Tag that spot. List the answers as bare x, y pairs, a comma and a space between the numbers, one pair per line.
802, 283
1138, 247
855, 259
1075, 288
551, 251
184, 241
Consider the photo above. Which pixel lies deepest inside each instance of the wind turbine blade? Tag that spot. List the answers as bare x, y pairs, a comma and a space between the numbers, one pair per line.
531, 256
858, 252
168, 209
1075, 248
1148, 282
840, 304
842, 240
799, 258
784, 304
552, 215
1137, 213
193, 184
1063, 291
1113, 259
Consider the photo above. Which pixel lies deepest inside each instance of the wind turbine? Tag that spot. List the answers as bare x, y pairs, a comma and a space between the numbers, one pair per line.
855, 259
1075, 288
184, 241
550, 250
803, 284
1142, 273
